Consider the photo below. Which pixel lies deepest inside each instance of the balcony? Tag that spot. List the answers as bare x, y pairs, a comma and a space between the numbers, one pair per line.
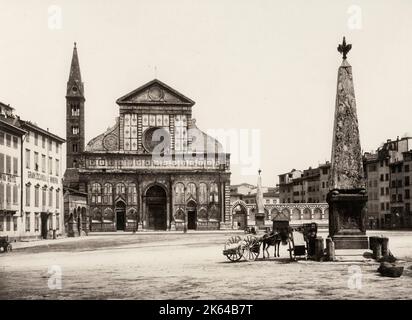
9, 206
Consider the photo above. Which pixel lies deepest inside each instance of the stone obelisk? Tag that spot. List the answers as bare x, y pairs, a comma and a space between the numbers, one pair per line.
260, 214
347, 196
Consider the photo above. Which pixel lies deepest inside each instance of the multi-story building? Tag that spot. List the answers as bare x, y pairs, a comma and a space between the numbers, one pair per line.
43, 187
31, 195
307, 186
287, 188
387, 174
10, 171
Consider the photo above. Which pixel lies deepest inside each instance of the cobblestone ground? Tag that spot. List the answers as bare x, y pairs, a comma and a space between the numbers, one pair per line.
190, 266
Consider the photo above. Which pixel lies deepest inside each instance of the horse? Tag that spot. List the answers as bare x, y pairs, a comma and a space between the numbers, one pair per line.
270, 239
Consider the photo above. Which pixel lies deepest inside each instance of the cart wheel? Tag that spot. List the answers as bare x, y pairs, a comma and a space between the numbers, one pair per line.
9, 248
252, 248
236, 255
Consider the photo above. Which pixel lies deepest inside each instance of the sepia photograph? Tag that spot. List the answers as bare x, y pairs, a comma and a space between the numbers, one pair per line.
205, 154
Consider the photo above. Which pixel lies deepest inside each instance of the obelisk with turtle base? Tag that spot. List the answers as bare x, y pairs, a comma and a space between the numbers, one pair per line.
347, 196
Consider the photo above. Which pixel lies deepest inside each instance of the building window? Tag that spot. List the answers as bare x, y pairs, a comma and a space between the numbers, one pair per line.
57, 147
96, 193
8, 193
8, 222
399, 198
37, 222
382, 206
407, 195
27, 223
75, 130
50, 165
131, 194
74, 147
407, 181
43, 142
57, 167
1, 193
50, 145
14, 223
8, 140
8, 164
36, 139
15, 194
387, 177
28, 189
1, 223
406, 167
50, 197
1, 138
36, 196
15, 143
27, 159
57, 199
107, 193
57, 221
36, 161
75, 110
382, 191
43, 197
43, 163
382, 177
15, 166
1, 163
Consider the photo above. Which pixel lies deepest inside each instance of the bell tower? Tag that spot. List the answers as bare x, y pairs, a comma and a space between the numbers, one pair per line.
74, 113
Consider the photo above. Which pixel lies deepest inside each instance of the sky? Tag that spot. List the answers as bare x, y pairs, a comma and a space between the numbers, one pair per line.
263, 65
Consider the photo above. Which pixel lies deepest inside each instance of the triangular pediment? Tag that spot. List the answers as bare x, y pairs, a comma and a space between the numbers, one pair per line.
155, 92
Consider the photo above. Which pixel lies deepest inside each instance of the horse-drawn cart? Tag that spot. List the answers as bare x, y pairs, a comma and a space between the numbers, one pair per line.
237, 248
5, 245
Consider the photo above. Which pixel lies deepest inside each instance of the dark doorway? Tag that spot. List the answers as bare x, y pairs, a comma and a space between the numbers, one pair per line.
191, 220
156, 208
240, 218
120, 216
44, 219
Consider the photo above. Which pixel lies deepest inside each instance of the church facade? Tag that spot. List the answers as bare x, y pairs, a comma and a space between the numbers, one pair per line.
152, 170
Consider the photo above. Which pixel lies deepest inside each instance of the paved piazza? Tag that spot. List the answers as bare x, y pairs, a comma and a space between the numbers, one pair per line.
189, 266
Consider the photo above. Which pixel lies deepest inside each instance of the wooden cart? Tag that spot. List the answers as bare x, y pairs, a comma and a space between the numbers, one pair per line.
237, 248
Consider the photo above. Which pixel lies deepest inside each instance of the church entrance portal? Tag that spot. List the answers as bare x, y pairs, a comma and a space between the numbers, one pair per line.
156, 208
120, 216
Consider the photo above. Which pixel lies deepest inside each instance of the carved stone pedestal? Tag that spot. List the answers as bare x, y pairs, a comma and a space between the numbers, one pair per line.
347, 218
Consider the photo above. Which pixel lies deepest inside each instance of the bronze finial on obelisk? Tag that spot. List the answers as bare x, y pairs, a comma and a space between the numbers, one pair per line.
347, 195
344, 48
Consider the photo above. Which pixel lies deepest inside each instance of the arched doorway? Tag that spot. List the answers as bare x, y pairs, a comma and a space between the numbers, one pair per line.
120, 216
156, 208
239, 217
191, 215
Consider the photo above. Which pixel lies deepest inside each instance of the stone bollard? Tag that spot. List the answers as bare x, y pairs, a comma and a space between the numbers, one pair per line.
377, 251
385, 246
373, 241
319, 248
330, 249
